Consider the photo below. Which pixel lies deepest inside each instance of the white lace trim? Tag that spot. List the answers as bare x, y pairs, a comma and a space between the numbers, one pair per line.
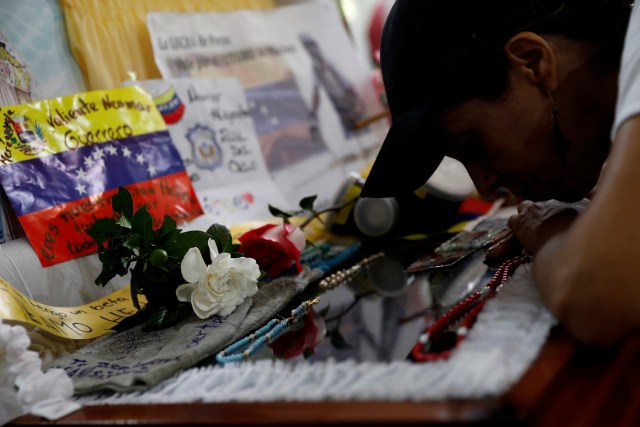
24, 387
505, 340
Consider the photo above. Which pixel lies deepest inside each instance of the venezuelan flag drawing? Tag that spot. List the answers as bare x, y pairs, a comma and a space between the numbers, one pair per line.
169, 105
62, 160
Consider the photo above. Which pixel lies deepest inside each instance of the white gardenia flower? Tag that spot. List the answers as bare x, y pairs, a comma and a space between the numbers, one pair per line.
220, 287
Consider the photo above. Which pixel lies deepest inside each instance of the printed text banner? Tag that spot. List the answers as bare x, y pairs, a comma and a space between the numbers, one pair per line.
62, 160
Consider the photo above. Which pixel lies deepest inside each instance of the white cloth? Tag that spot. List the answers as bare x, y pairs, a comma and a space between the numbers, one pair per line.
23, 386
628, 103
505, 339
70, 283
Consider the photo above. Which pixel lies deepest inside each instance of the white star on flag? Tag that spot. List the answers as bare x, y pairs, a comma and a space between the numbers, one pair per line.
126, 152
81, 188
112, 150
98, 153
88, 162
152, 170
140, 158
274, 120
81, 174
264, 110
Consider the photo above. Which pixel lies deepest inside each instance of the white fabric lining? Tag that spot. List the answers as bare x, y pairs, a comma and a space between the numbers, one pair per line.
24, 387
505, 340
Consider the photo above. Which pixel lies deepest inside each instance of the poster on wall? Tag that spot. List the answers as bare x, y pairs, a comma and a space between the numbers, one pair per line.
33, 46
63, 159
306, 92
212, 128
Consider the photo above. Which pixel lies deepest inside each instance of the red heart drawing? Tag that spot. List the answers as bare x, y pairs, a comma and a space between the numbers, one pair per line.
248, 197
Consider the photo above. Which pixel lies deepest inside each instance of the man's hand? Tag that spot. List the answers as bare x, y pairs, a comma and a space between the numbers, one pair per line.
536, 223
532, 227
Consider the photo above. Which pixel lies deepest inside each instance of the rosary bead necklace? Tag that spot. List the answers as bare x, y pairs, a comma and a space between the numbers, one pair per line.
339, 277
247, 346
464, 312
326, 256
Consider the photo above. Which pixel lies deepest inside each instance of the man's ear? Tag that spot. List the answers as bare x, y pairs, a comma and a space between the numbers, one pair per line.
533, 56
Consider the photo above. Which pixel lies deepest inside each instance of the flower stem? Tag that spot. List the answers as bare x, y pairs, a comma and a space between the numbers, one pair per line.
334, 208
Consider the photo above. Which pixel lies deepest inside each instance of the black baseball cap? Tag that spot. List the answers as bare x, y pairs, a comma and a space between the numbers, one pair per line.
435, 54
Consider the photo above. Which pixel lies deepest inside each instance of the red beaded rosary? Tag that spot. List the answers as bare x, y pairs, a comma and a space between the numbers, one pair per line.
431, 345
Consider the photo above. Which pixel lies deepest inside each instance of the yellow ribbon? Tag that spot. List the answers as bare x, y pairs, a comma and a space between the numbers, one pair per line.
85, 321
82, 322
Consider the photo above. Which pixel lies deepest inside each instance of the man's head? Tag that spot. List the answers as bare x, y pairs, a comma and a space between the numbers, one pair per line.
508, 87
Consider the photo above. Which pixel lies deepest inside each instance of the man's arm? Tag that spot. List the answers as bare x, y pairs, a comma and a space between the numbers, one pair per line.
589, 275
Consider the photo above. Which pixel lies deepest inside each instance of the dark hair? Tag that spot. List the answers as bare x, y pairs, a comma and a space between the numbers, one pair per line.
467, 60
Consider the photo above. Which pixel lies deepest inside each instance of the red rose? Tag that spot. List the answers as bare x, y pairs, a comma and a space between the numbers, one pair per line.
300, 341
274, 247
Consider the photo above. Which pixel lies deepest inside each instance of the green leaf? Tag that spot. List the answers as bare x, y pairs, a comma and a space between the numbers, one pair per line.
131, 321
103, 229
137, 283
162, 275
222, 236
142, 223
168, 225
279, 213
187, 240
105, 275
113, 263
162, 317
166, 240
157, 318
124, 222
134, 241
307, 202
123, 202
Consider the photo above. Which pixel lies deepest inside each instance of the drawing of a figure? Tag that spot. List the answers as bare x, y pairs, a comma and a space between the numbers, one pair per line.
345, 99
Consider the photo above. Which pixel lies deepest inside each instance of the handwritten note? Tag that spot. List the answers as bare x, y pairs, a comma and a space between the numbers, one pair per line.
211, 126
63, 159
83, 322
214, 133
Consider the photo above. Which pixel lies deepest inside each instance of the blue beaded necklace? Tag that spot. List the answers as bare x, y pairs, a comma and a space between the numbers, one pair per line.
247, 346
326, 256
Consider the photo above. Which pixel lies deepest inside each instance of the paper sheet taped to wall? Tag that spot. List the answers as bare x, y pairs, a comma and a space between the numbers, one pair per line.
211, 126
306, 91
